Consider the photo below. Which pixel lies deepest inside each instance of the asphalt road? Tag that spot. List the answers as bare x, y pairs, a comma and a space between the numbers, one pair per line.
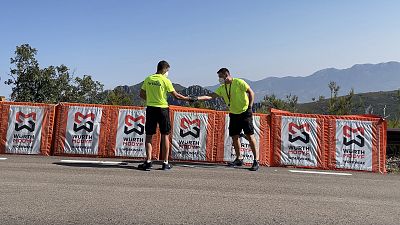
43, 190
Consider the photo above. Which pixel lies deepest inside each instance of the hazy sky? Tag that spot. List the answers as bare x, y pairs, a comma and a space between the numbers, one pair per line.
120, 42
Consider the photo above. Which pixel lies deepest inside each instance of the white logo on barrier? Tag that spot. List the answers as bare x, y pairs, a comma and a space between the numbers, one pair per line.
24, 129
131, 134
354, 145
299, 141
83, 130
189, 140
245, 150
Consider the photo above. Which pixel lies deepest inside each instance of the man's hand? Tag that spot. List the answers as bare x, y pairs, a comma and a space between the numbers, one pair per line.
207, 97
179, 96
252, 109
193, 99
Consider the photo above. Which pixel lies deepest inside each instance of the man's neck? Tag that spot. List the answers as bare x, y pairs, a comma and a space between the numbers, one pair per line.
229, 81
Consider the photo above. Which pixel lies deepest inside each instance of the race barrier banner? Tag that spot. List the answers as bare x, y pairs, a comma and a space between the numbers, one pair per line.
127, 135
82, 129
192, 134
224, 145
357, 143
26, 128
284, 139
329, 142
298, 140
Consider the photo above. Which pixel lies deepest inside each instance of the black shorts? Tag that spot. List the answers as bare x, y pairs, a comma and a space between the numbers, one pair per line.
160, 116
239, 122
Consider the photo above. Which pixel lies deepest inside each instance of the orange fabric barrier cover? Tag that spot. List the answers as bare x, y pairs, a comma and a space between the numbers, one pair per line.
355, 142
82, 129
26, 128
223, 143
299, 140
127, 135
192, 134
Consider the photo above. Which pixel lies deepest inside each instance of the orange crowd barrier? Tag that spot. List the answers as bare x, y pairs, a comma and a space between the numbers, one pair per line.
127, 134
82, 129
192, 134
26, 128
356, 142
299, 140
224, 148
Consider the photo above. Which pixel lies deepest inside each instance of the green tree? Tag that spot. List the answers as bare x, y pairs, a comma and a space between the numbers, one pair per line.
333, 101
343, 105
119, 97
395, 122
288, 104
58, 88
53, 84
25, 75
88, 91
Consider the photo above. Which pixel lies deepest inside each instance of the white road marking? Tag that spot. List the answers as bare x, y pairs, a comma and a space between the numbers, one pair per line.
319, 172
3, 158
93, 162
190, 166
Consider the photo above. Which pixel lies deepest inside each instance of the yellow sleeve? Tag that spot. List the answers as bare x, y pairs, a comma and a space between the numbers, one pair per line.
144, 84
243, 85
218, 91
168, 86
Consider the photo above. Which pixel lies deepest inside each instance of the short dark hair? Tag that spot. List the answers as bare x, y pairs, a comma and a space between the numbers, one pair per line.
162, 65
223, 70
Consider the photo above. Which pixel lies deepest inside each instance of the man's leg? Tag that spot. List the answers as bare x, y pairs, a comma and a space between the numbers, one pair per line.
236, 146
234, 131
254, 149
150, 127
165, 129
149, 147
165, 146
248, 129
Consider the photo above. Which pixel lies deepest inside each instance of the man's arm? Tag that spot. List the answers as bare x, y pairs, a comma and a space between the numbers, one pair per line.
179, 96
208, 97
143, 94
250, 93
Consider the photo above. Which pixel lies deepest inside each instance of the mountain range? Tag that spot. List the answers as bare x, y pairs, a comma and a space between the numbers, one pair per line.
363, 78
383, 103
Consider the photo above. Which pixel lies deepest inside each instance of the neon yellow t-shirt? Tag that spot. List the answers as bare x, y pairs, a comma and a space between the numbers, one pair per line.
157, 86
239, 101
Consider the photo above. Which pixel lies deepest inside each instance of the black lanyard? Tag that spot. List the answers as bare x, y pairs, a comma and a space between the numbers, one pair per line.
228, 94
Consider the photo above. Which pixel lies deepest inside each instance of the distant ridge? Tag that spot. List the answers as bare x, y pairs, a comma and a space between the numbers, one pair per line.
362, 77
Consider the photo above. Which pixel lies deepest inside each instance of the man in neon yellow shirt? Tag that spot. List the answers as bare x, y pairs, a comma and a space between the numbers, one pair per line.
239, 97
154, 90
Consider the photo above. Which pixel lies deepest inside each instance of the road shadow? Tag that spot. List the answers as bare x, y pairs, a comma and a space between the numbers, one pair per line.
97, 165
128, 164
